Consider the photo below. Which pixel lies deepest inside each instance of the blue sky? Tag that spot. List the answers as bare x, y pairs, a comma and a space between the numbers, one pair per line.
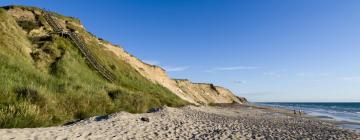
265, 50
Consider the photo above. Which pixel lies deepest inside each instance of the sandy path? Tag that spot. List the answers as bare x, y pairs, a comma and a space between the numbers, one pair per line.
190, 123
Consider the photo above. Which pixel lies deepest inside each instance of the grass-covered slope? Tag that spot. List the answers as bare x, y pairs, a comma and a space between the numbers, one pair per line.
45, 80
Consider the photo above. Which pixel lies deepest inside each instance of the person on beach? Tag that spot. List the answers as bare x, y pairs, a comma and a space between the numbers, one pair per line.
294, 112
300, 113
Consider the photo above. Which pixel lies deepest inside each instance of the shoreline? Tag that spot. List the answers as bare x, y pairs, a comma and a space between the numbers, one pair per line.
340, 123
191, 122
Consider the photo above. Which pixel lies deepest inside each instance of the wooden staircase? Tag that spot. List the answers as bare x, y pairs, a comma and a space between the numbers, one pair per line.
80, 44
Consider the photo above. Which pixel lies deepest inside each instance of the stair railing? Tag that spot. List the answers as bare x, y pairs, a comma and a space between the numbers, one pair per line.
80, 43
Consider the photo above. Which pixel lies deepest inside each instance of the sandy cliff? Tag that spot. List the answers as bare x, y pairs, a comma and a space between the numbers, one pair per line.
205, 93
195, 93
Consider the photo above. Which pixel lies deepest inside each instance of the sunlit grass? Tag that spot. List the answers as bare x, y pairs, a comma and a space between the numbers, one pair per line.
49, 82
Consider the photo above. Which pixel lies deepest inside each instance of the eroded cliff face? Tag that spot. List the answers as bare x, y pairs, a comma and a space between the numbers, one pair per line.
205, 93
153, 73
196, 93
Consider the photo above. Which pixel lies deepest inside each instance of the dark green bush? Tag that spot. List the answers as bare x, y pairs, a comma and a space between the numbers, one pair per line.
28, 25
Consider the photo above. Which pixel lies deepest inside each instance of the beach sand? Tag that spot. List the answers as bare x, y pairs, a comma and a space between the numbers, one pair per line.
220, 122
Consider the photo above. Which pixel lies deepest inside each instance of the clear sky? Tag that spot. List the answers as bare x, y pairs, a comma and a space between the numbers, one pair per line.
265, 50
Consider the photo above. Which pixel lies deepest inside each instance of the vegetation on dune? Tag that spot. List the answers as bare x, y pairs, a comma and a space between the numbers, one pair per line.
47, 81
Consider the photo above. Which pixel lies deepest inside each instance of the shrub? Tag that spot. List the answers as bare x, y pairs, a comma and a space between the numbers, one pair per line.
28, 25
25, 93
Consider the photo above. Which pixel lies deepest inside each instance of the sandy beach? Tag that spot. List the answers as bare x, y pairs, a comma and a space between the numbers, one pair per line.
220, 122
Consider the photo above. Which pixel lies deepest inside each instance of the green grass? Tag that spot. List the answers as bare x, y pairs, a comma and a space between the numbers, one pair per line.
48, 82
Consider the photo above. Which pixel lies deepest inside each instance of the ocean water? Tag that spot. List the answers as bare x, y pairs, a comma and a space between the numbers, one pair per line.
347, 112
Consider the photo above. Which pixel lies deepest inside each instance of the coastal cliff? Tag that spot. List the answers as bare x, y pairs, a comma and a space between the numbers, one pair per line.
205, 93
157, 74
196, 93
53, 70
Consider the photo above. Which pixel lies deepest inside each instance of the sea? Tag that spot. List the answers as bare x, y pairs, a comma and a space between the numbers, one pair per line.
349, 113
